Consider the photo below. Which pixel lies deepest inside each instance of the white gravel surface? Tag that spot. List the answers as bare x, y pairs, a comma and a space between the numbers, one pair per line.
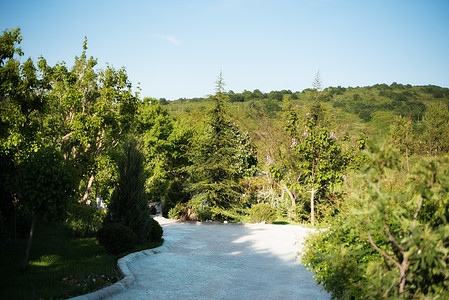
213, 261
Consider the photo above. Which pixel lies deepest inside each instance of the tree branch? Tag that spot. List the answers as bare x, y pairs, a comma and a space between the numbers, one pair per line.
382, 252
391, 238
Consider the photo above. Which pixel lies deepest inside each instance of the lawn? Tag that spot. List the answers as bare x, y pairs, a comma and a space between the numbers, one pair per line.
59, 266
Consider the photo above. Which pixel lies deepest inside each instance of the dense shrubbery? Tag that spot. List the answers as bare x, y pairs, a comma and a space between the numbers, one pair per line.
392, 240
262, 212
116, 238
83, 221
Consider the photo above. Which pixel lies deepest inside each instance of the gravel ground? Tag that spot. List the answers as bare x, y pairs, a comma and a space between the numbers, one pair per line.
220, 261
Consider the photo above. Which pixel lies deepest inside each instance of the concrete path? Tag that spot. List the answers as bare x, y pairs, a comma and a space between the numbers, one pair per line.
210, 261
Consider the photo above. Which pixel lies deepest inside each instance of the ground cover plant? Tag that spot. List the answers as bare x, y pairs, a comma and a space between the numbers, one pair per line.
59, 266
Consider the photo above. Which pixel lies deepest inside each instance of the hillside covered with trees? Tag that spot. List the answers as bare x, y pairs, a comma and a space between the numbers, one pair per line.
368, 163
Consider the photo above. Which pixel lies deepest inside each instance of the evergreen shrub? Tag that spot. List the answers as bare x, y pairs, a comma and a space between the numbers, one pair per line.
116, 238
262, 212
156, 231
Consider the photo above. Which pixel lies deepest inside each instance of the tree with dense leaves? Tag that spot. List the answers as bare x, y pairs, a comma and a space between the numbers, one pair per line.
216, 169
401, 134
436, 120
89, 112
392, 240
45, 185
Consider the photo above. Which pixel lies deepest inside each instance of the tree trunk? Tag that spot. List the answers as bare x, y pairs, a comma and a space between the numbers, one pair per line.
292, 197
312, 206
88, 188
30, 240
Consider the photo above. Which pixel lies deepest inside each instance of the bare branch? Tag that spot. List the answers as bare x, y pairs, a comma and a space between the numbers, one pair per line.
382, 252
392, 239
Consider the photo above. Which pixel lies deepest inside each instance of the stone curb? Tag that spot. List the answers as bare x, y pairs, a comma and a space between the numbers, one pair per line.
128, 279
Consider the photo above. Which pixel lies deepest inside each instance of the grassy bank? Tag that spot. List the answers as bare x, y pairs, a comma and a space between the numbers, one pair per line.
59, 266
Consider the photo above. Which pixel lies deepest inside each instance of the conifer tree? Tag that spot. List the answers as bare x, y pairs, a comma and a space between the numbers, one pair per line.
216, 166
129, 205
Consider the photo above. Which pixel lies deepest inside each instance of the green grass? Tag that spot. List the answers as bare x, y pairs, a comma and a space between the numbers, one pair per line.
59, 266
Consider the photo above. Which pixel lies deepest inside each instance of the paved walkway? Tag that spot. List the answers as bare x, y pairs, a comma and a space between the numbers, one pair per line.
210, 261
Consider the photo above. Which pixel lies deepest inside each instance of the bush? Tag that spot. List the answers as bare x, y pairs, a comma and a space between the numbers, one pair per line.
156, 231
116, 238
83, 221
178, 212
262, 212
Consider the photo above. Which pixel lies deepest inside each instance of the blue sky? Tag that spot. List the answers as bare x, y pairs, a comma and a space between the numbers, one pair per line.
176, 48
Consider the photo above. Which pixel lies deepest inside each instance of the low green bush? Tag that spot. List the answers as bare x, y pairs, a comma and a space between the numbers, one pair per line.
116, 238
83, 221
262, 212
156, 231
178, 212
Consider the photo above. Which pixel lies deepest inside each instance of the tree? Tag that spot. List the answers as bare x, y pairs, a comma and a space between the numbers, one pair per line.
46, 183
401, 134
312, 159
392, 241
218, 162
129, 204
322, 161
167, 143
317, 84
436, 120
89, 111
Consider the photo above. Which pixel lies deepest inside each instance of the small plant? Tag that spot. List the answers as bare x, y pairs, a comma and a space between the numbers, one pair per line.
116, 238
262, 212
180, 211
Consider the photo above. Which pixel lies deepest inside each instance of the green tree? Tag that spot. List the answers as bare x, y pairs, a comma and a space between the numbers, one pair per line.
392, 241
89, 111
401, 134
129, 204
436, 120
313, 159
218, 162
322, 161
45, 182
167, 143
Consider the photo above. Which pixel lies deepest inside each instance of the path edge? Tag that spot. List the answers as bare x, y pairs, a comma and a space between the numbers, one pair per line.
128, 280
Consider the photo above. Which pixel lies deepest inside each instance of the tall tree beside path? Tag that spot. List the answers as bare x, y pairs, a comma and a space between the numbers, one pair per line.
129, 203
216, 169
89, 111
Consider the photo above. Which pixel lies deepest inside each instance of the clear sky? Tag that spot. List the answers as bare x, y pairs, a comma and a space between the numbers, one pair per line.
176, 48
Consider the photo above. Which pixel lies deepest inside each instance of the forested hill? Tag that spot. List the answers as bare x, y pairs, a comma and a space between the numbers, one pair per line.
354, 110
399, 99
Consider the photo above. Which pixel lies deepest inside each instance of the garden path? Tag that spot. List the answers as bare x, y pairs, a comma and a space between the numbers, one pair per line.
224, 261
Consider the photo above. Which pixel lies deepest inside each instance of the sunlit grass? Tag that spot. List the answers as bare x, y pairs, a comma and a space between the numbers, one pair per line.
59, 266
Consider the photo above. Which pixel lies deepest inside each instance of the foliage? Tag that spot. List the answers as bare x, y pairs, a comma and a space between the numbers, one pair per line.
46, 183
83, 221
179, 211
216, 169
156, 231
317, 158
393, 241
116, 238
174, 195
129, 204
436, 120
262, 212
60, 267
